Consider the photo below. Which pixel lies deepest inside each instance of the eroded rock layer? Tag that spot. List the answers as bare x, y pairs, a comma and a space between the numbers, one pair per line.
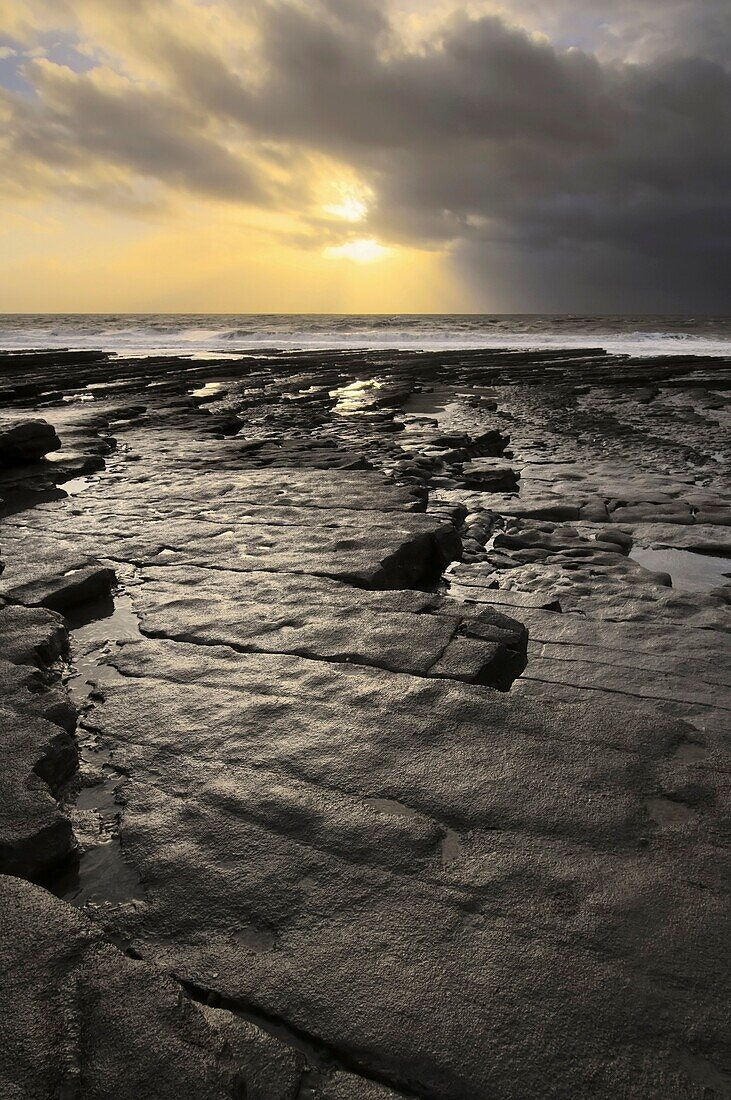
364, 726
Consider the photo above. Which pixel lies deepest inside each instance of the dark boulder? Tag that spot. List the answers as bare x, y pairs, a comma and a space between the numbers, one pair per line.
24, 441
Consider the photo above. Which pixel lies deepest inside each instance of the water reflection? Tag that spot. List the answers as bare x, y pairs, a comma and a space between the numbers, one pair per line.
688, 570
356, 397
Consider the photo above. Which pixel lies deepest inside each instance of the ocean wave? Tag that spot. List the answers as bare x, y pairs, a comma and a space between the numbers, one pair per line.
199, 334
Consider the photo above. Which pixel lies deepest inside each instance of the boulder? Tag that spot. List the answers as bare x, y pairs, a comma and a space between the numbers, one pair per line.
35, 836
31, 635
24, 441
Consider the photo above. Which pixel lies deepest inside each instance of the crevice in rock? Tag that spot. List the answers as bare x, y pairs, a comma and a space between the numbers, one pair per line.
97, 873
319, 1055
605, 663
618, 691
249, 650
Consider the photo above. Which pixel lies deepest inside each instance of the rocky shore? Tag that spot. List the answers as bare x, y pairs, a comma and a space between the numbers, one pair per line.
365, 721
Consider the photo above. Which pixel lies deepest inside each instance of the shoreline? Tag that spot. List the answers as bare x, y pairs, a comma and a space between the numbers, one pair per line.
387, 723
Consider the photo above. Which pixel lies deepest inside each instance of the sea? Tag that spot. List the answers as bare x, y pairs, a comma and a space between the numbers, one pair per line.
207, 334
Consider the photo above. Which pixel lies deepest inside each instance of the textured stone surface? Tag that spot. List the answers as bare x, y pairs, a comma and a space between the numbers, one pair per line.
323, 620
31, 635
389, 830
89, 1021
37, 756
300, 798
46, 571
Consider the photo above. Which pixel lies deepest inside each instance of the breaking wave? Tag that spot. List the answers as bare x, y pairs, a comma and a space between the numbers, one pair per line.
202, 334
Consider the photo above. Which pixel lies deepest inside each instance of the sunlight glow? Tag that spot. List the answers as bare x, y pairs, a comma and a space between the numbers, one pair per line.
348, 199
350, 209
364, 251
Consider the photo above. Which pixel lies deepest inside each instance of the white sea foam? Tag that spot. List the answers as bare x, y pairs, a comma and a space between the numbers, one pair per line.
201, 334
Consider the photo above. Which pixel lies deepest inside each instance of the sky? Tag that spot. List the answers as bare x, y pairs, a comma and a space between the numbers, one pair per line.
365, 156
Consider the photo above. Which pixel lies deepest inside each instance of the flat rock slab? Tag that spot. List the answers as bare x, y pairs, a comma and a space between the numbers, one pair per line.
687, 671
414, 551
701, 537
662, 647
204, 482
310, 836
411, 549
46, 571
571, 665
321, 619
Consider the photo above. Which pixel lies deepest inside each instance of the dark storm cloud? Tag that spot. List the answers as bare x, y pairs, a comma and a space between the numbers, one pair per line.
329, 84
517, 152
503, 144
633, 29
481, 80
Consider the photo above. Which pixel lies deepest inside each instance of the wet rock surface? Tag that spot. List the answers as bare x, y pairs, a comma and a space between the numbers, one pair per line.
365, 734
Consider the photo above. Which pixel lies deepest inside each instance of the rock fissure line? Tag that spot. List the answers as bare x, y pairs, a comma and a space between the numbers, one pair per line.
317, 1052
633, 695
347, 660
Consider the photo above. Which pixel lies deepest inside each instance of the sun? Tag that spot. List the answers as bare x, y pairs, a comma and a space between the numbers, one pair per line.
363, 251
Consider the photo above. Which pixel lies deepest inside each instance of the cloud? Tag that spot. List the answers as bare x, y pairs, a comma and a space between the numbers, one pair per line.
523, 137
632, 30
83, 120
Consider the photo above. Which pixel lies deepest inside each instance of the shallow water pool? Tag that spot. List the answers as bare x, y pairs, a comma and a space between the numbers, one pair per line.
688, 569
